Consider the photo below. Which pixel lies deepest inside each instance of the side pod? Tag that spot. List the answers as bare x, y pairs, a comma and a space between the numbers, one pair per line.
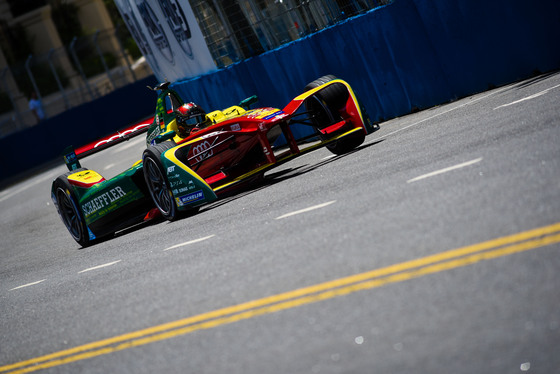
188, 188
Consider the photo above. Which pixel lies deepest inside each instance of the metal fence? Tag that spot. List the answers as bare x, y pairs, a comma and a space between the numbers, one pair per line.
88, 68
238, 29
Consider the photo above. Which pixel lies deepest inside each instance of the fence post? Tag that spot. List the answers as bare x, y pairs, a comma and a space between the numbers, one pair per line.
103, 59
58, 83
296, 17
77, 61
123, 52
333, 12
5, 86
228, 29
270, 39
31, 77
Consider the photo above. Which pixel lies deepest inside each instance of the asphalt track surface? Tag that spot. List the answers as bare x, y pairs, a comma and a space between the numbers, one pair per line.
433, 248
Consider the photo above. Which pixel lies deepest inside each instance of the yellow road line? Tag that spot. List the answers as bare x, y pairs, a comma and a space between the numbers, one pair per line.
452, 259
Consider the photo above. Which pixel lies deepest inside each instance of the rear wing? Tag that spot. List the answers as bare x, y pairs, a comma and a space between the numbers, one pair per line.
115, 138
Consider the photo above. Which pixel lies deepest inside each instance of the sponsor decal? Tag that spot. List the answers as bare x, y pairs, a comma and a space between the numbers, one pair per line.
273, 115
178, 24
265, 113
167, 33
174, 180
103, 200
171, 169
153, 134
256, 113
190, 186
70, 158
190, 198
91, 234
158, 36
121, 134
236, 127
175, 184
214, 133
200, 152
85, 179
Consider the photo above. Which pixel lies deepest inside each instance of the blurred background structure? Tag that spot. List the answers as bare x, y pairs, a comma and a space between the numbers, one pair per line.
69, 52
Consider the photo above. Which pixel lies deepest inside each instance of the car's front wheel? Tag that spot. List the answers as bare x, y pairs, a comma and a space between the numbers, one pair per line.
156, 180
325, 106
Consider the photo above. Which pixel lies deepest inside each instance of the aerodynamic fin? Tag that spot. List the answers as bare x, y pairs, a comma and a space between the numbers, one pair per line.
70, 158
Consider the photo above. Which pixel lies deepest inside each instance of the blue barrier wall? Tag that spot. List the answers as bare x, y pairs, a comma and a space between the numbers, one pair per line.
407, 55
411, 54
78, 126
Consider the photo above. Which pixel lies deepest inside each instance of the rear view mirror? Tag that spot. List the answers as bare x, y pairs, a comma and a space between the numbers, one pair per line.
246, 104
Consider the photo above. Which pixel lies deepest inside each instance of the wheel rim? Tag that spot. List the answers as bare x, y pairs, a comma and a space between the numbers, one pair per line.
323, 116
69, 214
158, 187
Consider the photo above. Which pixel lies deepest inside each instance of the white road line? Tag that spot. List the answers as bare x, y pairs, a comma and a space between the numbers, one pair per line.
528, 97
129, 144
27, 285
306, 209
328, 157
521, 100
24, 186
441, 171
109, 166
189, 242
441, 113
99, 266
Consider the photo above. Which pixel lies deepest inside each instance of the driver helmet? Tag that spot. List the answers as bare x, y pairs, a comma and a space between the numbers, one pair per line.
190, 117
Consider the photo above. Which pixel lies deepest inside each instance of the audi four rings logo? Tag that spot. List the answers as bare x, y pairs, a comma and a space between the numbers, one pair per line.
200, 151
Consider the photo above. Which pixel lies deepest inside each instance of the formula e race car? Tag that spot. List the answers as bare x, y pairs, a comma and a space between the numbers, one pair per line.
193, 157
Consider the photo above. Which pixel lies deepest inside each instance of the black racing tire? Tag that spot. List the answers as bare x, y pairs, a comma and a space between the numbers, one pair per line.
69, 211
156, 180
326, 103
335, 95
320, 104
347, 143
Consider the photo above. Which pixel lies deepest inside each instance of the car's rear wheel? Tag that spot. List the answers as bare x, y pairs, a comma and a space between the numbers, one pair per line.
325, 106
67, 205
156, 180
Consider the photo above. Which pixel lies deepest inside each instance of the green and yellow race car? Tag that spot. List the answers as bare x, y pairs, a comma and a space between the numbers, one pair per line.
194, 157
